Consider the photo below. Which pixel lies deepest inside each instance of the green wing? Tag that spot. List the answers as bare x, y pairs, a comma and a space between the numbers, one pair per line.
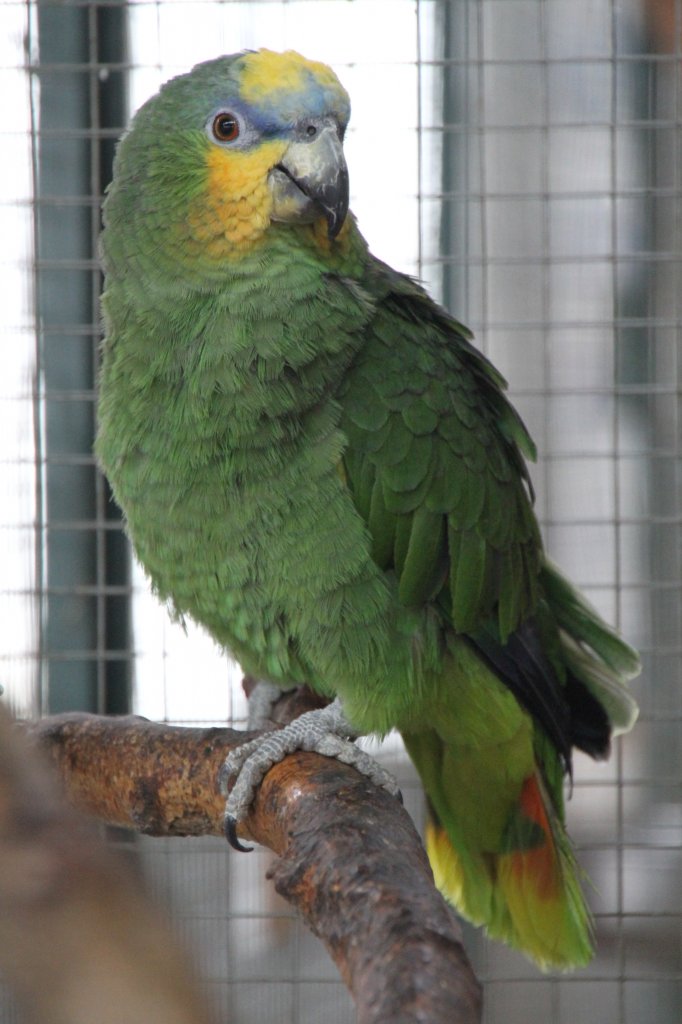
435, 462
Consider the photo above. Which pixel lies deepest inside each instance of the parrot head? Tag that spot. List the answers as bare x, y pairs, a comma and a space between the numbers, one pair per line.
223, 153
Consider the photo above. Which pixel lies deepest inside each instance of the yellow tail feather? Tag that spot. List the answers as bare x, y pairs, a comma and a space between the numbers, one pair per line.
530, 896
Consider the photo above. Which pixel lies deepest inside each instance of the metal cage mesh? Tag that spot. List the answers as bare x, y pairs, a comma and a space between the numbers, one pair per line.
523, 158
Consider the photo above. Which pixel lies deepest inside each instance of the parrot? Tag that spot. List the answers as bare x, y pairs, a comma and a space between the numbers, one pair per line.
317, 464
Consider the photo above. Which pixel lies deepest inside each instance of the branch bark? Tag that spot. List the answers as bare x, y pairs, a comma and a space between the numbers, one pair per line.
350, 859
79, 941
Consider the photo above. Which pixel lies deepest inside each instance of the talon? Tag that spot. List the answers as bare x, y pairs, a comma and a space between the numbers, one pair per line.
325, 730
231, 766
223, 779
230, 829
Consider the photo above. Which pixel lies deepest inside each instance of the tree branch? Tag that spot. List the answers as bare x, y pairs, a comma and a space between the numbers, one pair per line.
350, 859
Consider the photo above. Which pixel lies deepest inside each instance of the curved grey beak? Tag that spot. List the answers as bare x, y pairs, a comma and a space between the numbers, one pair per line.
312, 180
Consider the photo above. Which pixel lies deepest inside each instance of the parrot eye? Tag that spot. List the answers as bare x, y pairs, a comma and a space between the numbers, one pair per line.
225, 127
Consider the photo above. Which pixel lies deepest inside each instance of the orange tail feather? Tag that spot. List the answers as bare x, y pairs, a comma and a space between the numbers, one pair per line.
539, 885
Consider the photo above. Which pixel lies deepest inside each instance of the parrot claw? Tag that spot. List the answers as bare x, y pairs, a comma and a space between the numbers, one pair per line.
230, 829
325, 731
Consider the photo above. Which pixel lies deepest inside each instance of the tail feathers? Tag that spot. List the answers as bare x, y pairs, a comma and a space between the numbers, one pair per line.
526, 894
594, 653
590, 725
466, 879
539, 883
603, 683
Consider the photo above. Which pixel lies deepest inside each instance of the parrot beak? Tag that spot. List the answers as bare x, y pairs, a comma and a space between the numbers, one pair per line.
311, 181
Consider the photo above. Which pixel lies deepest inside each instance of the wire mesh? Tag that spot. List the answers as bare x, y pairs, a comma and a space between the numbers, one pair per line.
523, 158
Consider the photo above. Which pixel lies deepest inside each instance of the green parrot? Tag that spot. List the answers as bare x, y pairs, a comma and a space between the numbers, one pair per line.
316, 464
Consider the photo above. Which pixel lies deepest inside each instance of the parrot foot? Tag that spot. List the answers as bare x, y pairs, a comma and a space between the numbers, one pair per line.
262, 699
325, 731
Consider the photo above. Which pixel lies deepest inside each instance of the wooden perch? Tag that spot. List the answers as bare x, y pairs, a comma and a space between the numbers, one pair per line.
350, 861
79, 941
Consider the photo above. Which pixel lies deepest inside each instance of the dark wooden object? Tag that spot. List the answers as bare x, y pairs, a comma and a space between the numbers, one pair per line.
79, 940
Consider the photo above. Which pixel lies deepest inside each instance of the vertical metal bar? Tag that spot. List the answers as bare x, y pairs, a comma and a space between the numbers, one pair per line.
77, 657
546, 254
64, 314
482, 143
38, 405
454, 216
545, 315
110, 31
420, 138
95, 174
614, 246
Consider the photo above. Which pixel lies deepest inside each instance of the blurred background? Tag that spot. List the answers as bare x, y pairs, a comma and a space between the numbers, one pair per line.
521, 157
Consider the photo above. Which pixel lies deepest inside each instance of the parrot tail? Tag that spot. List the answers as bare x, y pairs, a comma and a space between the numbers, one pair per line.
597, 661
493, 770
527, 892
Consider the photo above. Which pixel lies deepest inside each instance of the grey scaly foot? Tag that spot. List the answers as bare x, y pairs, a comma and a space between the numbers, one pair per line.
262, 699
326, 731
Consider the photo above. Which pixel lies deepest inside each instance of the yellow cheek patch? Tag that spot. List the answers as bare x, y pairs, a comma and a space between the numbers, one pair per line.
234, 211
235, 174
267, 74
